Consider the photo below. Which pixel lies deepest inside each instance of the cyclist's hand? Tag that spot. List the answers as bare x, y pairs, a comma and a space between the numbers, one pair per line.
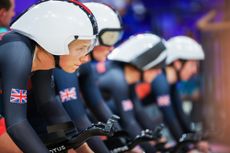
137, 149
194, 151
84, 148
163, 140
71, 151
203, 146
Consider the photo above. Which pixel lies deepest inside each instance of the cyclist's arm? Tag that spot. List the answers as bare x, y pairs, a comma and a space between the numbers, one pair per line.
177, 103
114, 81
16, 61
160, 88
92, 95
67, 87
141, 115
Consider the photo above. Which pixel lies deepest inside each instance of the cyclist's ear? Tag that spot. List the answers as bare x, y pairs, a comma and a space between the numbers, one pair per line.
2, 12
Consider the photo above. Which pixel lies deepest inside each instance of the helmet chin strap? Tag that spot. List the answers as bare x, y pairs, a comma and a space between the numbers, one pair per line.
57, 60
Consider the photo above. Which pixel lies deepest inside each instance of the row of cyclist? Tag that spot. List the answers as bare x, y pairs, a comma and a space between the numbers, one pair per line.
60, 90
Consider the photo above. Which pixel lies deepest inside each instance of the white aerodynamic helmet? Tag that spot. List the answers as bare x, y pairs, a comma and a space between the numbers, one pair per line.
185, 48
109, 23
53, 24
144, 51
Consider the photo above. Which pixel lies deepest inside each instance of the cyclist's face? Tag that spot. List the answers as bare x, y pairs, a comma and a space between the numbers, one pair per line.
7, 15
189, 69
132, 74
78, 50
100, 53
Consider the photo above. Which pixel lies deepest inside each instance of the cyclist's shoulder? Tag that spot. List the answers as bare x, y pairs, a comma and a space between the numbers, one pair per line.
13, 36
113, 64
160, 84
161, 77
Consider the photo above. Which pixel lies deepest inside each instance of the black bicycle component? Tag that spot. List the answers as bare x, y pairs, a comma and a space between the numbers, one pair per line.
145, 136
185, 140
62, 137
183, 144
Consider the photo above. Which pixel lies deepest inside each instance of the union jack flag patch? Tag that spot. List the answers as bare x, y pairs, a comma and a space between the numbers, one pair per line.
127, 105
18, 96
68, 94
163, 100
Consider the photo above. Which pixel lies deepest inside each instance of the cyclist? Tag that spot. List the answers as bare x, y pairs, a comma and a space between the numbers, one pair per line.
162, 88
6, 14
30, 47
183, 59
128, 62
155, 89
184, 55
110, 31
109, 27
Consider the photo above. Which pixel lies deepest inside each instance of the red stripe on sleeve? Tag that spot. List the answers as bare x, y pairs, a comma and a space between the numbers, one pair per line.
2, 126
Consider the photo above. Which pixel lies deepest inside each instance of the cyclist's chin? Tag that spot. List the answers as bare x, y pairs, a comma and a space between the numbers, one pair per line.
71, 69
187, 77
